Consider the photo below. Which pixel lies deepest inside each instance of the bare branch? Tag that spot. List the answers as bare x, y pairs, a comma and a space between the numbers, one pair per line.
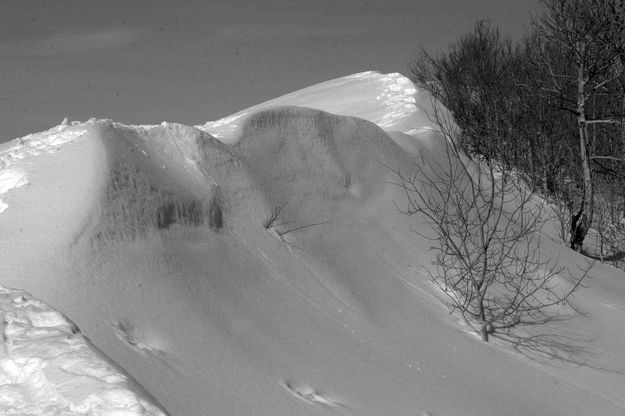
605, 121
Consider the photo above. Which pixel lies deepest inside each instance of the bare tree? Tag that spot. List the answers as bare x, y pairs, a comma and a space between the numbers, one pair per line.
281, 228
543, 134
485, 221
590, 36
473, 81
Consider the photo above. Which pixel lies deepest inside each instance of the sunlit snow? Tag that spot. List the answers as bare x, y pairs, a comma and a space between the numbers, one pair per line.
47, 367
388, 100
258, 265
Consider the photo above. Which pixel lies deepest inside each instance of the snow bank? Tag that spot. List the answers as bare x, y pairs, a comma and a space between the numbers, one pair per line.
47, 367
157, 242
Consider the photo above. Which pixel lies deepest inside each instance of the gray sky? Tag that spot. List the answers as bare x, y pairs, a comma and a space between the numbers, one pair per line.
146, 61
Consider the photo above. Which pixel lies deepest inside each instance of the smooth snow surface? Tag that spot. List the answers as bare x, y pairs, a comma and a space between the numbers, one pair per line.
258, 265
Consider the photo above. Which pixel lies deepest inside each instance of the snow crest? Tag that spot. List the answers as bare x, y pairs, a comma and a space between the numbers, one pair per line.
387, 100
396, 96
48, 368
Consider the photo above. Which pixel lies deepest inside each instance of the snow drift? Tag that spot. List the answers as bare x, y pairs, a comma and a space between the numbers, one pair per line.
258, 264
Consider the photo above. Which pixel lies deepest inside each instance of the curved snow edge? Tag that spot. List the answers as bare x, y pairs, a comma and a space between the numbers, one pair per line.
387, 100
48, 367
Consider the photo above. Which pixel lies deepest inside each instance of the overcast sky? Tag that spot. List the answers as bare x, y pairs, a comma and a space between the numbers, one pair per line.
146, 61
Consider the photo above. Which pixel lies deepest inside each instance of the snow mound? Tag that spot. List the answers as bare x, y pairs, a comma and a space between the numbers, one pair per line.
47, 367
268, 271
321, 164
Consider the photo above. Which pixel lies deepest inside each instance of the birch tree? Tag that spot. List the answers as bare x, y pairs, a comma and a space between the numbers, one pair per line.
590, 34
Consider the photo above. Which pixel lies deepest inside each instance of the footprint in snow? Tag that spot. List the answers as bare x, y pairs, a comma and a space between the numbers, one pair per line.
128, 333
311, 395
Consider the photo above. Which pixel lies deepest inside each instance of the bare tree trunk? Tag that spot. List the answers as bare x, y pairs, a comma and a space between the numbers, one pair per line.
581, 221
482, 315
532, 161
484, 331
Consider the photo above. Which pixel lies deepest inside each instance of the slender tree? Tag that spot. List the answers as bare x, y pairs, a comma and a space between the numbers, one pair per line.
589, 38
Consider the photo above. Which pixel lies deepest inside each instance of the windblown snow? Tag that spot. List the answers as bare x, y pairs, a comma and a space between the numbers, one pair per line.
258, 265
47, 367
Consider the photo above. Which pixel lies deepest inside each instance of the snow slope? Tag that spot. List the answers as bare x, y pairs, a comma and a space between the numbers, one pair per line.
157, 242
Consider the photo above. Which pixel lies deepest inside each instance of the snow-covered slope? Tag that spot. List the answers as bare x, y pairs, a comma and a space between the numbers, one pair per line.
258, 265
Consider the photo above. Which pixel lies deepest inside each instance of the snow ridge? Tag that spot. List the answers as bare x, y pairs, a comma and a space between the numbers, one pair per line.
396, 96
384, 99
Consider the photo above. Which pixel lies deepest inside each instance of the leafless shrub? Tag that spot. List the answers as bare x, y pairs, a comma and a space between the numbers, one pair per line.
275, 224
485, 223
272, 220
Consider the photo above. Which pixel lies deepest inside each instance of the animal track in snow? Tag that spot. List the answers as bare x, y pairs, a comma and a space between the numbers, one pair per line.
128, 333
311, 395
